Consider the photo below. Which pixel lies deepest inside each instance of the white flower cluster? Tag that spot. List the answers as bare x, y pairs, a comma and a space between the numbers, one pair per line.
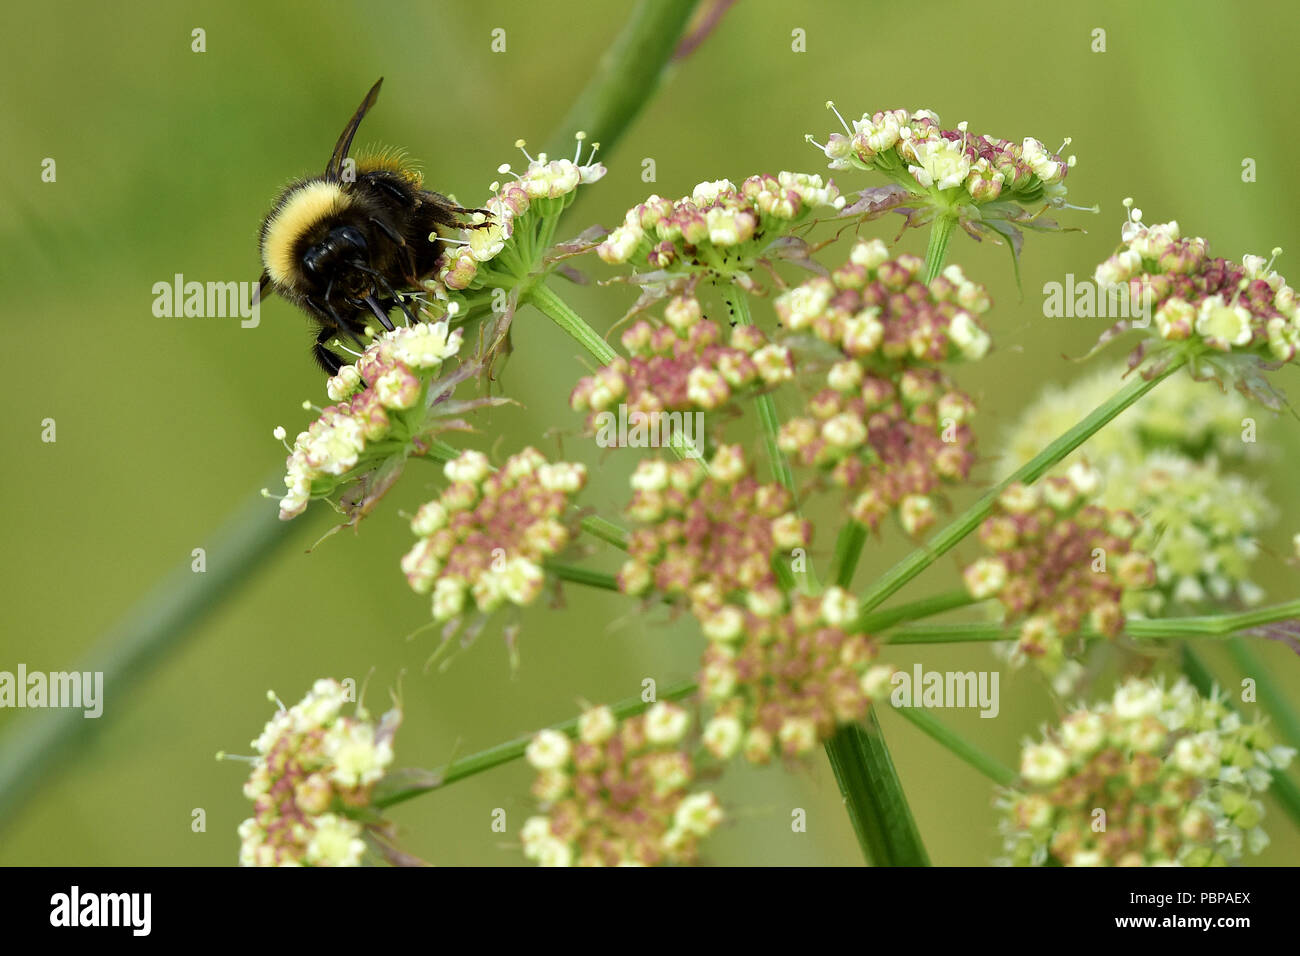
515, 212
912, 149
312, 763
718, 214
1176, 775
387, 380
618, 795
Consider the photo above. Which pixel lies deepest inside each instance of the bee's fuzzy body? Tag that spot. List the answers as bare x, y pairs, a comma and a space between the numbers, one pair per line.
342, 246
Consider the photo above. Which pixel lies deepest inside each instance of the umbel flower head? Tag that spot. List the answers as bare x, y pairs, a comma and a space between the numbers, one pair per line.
687, 363
1200, 526
891, 443
985, 182
483, 542
313, 776
780, 684
620, 794
388, 406
721, 229
1165, 460
1055, 562
507, 247
1175, 776
887, 426
1229, 318
709, 532
878, 311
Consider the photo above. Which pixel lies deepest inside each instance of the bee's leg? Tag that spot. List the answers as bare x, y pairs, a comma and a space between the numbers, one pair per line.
391, 293
488, 220
389, 231
444, 212
379, 312
326, 359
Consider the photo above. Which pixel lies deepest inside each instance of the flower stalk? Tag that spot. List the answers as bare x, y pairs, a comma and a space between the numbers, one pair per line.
941, 231
767, 416
873, 796
403, 785
558, 311
958, 745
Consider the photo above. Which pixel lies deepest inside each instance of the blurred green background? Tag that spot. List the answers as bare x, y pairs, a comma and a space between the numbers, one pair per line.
166, 161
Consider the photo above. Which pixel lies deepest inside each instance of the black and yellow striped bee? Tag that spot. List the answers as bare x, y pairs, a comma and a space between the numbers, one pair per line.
343, 245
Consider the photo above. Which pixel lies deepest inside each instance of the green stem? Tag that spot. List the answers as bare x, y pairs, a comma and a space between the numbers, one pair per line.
940, 233
401, 786
139, 643
767, 416
627, 76
873, 796
577, 575
941, 733
876, 621
555, 308
1283, 787
441, 451
1271, 696
848, 550
606, 531
1221, 625
1031, 471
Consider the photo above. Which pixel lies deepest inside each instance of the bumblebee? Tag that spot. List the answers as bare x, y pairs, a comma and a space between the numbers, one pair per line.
343, 246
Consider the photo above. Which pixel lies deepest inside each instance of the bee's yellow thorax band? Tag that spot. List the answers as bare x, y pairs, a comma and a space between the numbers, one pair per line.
300, 210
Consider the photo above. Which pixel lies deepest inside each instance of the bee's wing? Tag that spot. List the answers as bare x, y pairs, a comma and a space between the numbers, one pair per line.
345, 140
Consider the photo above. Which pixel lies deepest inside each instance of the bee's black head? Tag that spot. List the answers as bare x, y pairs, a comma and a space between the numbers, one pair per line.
334, 254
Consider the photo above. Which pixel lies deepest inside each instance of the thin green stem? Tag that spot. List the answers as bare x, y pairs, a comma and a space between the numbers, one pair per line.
1031, 471
606, 531
558, 311
577, 575
441, 451
958, 745
951, 633
1218, 625
401, 786
1283, 787
848, 550
940, 233
767, 416
1215, 626
873, 796
876, 621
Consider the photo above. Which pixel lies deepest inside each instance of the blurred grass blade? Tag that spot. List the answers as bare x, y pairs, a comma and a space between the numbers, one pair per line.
874, 796
138, 644
627, 76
